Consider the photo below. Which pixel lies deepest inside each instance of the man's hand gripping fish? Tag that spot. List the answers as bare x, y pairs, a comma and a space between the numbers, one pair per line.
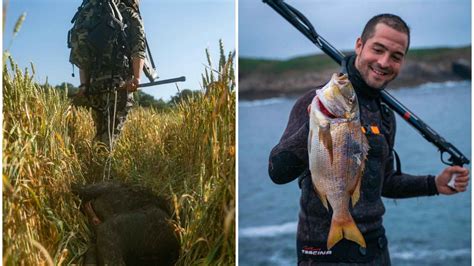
337, 151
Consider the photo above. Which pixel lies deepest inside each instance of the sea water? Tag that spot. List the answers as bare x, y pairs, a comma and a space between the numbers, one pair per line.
432, 230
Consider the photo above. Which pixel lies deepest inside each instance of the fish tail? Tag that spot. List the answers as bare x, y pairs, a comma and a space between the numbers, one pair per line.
347, 229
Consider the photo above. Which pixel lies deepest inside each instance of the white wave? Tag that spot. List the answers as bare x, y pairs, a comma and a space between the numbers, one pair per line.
269, 230
417, 254
278, 259
441, 85
262, 102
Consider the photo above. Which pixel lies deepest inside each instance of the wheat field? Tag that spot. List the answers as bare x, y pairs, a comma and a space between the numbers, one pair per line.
186, 154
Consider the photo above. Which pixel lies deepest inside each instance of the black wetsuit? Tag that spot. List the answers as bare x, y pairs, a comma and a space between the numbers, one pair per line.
289, 160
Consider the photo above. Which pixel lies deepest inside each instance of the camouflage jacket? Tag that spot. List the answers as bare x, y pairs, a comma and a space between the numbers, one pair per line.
289, 160
105, 63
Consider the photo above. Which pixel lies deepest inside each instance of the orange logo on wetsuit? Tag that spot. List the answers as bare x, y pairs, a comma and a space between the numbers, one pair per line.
370, 130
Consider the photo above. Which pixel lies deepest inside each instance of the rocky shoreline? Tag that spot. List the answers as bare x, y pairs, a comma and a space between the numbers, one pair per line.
259, 79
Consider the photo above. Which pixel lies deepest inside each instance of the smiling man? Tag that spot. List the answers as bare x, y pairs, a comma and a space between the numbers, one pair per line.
380, 53
381, 50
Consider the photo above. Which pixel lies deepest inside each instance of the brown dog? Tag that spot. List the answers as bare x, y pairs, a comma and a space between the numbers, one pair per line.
132, 225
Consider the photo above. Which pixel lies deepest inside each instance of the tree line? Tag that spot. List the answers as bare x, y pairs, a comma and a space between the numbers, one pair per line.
142, 99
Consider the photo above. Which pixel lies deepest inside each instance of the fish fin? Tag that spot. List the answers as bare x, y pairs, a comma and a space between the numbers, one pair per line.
365, 148
336, 234
346, 229
351, 232
326, 139
310, 140
356, 193
322, 197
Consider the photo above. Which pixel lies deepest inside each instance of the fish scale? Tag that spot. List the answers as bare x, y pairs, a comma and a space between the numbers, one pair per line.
337, 151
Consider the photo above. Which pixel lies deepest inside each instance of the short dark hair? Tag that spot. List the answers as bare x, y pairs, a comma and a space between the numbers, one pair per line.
393, 21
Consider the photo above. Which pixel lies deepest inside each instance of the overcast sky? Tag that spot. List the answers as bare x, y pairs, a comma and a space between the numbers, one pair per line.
178, 33
264, 33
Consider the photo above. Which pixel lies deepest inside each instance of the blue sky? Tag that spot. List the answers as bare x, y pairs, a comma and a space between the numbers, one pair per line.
265, 34
178, 33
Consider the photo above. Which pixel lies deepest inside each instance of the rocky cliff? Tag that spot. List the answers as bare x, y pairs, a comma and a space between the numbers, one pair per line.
272, 78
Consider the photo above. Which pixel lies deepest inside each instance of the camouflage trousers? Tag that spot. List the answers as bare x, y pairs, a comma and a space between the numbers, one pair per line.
109, 111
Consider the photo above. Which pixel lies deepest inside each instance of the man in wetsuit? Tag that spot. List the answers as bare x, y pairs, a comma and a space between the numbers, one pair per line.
380, 53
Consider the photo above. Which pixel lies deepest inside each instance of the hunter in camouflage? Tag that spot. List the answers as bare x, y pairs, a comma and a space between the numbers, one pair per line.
109, 70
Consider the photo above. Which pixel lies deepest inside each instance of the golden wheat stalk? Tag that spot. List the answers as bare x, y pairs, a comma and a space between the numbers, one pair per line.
187, 153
